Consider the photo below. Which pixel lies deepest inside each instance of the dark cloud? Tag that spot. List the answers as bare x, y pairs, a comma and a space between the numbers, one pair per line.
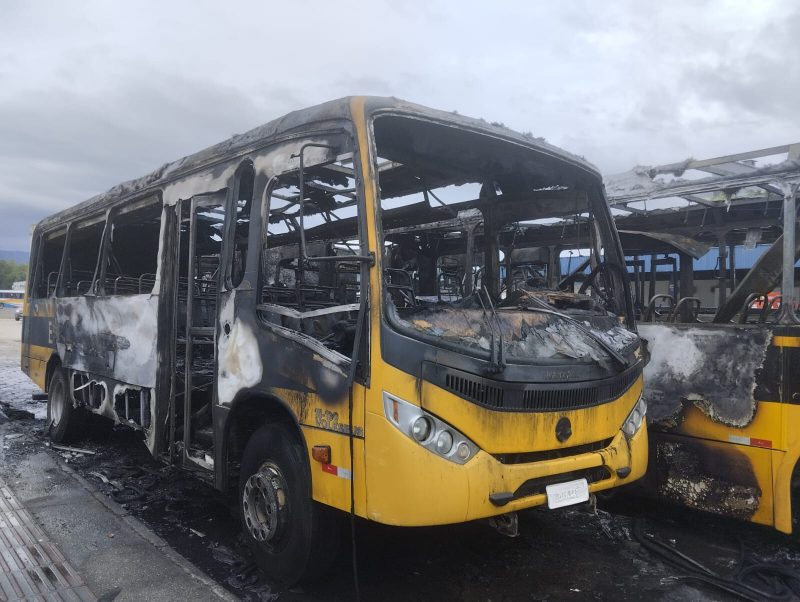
98, 93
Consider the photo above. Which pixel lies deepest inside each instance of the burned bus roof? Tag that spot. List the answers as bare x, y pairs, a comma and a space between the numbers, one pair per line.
298, 122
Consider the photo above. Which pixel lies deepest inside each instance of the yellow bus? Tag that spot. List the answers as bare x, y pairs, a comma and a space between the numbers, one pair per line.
326, 314
723, 380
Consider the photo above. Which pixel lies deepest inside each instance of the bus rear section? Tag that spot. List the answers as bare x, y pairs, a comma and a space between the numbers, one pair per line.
359, 308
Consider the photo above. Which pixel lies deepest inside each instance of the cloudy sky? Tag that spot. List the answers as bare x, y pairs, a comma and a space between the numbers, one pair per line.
94, 93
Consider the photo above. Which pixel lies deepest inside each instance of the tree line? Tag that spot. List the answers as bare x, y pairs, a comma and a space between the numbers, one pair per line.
11, 271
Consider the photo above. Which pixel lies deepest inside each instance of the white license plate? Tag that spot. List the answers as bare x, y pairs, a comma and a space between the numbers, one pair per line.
566, 494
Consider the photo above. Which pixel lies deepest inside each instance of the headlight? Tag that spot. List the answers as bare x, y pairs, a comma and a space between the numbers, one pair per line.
444, 443
427, 430
421, 428
635, 419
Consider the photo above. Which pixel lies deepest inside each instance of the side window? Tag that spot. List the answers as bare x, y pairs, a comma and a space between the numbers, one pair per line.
242, 203
52, 248
132, 258
82, 254
318, 298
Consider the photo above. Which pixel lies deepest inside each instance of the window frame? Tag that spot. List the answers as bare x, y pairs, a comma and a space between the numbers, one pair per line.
141, 203
38, 265
263, 198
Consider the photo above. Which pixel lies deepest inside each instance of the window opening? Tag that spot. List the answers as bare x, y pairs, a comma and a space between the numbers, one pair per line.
52, 250
82, 256
318, 298
472, 228
133, 252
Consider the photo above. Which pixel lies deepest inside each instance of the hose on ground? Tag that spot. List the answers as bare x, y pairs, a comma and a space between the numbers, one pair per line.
754, 580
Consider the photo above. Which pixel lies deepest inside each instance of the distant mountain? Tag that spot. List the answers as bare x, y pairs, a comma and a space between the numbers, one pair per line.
18, 256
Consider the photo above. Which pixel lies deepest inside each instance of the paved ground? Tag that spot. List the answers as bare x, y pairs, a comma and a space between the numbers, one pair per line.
572, 554
112, 552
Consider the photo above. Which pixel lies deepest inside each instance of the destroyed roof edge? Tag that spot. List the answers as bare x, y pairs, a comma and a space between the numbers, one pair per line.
296, 121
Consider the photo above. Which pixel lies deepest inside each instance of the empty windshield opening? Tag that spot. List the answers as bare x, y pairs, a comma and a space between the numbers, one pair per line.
474, 228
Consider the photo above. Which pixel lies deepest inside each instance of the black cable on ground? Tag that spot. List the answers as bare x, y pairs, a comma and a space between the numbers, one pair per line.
753, 581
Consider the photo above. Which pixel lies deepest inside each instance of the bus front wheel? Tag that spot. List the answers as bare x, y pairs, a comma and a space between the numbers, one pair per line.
62, 416
293, 538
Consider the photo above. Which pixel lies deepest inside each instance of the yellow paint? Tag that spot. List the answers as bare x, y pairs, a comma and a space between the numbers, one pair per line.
510, 432
34, 363
773, 468
783, 465
331, 489
784, 341
411, 486
767, 424
407, 484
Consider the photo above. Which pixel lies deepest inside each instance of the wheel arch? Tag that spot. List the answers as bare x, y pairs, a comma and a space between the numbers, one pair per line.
52, 364
248, 413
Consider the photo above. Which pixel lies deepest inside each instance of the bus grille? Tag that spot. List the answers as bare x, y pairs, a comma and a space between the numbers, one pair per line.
530, 397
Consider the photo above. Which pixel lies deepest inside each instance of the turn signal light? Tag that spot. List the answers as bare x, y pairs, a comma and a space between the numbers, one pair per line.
321, 453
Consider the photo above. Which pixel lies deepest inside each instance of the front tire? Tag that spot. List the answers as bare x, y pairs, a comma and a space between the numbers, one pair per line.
293, 538
63, 417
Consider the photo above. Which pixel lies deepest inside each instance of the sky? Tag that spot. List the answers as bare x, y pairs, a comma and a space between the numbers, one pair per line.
95, 93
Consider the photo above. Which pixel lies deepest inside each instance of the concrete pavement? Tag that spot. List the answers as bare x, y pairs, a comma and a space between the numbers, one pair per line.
113, 554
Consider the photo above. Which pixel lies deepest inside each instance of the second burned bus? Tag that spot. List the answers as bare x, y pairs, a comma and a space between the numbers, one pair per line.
331, 312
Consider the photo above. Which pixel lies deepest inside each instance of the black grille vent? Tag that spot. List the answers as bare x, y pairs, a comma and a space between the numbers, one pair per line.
530, 397
477, 391
553, 454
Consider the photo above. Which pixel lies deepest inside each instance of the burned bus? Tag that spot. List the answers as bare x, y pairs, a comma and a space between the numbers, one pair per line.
723, 380
347, 310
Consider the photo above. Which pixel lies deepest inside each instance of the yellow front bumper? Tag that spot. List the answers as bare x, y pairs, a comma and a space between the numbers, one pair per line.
409, 485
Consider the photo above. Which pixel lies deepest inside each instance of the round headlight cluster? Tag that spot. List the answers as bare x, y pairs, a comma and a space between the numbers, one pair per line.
427, 430
421, 428
635, 419
444, 442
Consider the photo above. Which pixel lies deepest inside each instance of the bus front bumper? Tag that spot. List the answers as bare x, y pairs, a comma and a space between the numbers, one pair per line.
409, 485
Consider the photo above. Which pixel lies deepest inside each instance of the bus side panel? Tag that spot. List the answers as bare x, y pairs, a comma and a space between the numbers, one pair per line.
723, 478
785, 469
113, 337
38, 341
715, 368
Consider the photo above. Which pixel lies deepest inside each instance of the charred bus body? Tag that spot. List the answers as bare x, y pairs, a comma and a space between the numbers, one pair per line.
347, 308
723, 380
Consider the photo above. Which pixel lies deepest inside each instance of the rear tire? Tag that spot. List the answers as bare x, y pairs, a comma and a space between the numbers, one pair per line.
63, 418
293, 539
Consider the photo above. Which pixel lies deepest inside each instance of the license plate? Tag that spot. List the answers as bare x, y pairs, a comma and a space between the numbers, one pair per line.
566, 494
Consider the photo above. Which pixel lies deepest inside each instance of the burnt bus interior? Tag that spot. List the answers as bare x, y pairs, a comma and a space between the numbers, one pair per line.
733, 208
132, 257
49, 264
199, 263
83, 249
715, 287
464, 218
317, 298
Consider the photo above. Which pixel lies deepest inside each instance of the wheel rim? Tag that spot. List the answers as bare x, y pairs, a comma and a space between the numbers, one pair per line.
265, 503
58, 400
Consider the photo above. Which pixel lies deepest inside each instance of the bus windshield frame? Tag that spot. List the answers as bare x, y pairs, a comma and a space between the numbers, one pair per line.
449, 193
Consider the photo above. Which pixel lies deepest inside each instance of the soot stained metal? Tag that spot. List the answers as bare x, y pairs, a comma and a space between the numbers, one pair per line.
715, 370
